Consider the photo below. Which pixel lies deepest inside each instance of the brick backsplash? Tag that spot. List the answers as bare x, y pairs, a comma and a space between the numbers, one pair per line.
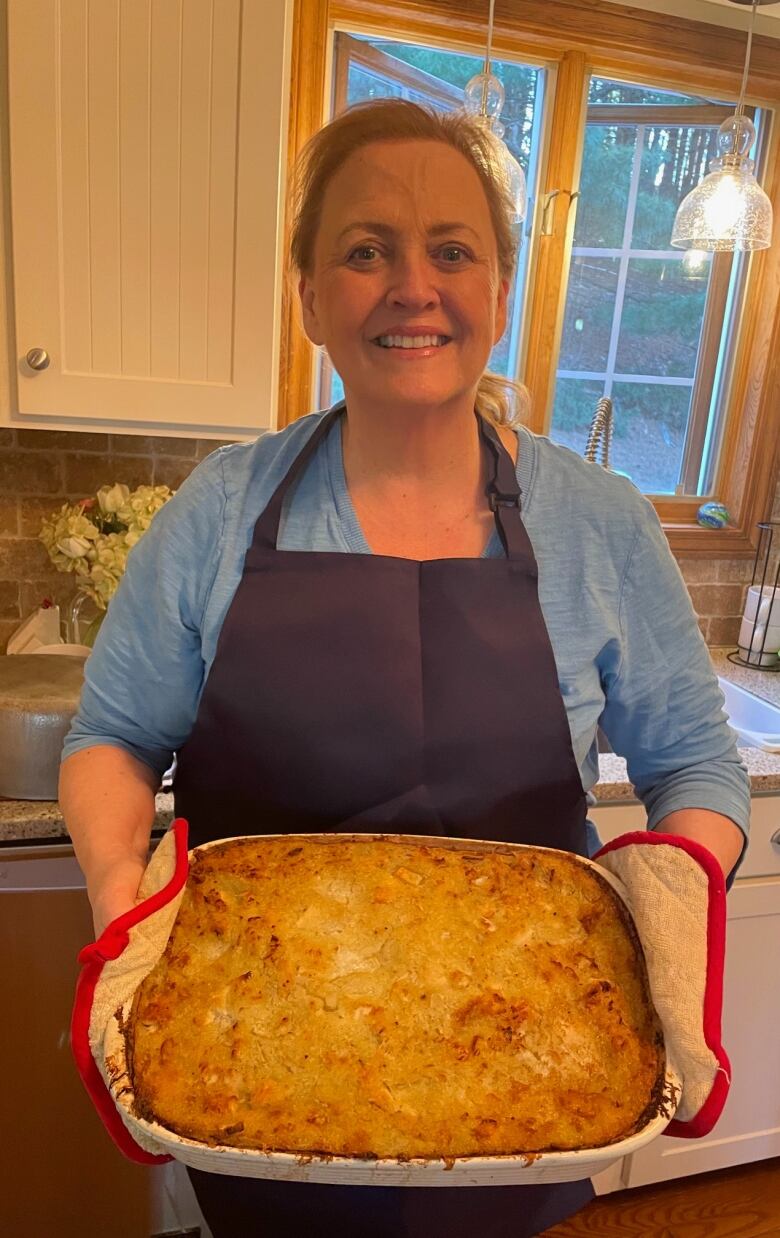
41, 469
717, 588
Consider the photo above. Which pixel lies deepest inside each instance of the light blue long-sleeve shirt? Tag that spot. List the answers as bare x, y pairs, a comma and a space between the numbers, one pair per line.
625, 638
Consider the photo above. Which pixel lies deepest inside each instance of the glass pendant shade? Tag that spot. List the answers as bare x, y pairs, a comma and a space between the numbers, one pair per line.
728, 210
484, 99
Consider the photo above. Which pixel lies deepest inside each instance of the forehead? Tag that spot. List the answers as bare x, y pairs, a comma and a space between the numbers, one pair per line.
407, 184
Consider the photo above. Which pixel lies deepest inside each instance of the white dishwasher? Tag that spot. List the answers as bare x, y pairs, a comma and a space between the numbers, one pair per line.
62, 1175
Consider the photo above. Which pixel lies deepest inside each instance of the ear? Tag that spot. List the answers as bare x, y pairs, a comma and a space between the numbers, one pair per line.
311, 324
501, 310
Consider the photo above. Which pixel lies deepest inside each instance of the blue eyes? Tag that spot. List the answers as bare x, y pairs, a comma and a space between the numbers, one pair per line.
460, 253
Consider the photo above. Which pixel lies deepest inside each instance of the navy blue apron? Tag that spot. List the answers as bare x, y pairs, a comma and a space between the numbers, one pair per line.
363, 693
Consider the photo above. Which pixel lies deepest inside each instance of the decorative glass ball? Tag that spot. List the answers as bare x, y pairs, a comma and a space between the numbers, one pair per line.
713, 516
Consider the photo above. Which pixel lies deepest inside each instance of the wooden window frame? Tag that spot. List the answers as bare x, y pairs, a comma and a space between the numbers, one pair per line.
576, 39
406, 74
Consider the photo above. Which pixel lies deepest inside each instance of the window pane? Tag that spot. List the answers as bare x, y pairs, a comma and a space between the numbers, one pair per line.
636, 309
602, 90
604, 186
363, 85
649, 433
336, 389
575, 404
590, 308
660, 325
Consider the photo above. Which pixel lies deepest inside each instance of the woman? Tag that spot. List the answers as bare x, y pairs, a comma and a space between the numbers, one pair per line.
359, 596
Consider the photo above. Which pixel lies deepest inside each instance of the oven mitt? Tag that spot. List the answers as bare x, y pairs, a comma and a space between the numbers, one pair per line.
111, 970
677, 897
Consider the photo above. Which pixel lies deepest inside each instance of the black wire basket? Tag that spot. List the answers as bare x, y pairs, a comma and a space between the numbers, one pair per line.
766, 572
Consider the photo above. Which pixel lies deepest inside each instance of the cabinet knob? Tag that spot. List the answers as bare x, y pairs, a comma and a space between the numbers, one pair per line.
37, 358
776, 838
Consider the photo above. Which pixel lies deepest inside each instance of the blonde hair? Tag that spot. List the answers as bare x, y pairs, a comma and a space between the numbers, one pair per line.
502, 400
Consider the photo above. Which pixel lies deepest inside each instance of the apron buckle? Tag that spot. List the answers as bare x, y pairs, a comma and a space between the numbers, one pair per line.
496, 500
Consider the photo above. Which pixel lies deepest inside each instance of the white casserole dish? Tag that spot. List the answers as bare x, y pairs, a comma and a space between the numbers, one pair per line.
520, 1169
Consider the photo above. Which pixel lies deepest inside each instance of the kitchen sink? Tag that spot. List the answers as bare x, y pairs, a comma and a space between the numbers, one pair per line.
757, 722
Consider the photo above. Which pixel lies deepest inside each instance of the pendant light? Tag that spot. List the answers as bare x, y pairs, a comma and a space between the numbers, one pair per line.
728, 210
484, 99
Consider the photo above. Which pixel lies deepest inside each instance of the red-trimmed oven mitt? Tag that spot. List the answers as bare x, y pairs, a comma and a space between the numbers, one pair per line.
677, 897
112, 968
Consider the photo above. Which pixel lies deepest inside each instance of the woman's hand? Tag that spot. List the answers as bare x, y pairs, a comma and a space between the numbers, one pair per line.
114, 891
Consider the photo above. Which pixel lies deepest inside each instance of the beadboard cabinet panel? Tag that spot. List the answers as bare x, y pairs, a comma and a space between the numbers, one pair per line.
147, 150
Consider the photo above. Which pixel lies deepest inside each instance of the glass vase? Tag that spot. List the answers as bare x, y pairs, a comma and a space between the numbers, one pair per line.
83, 618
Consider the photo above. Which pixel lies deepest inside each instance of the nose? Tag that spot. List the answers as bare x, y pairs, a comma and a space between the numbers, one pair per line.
412, 281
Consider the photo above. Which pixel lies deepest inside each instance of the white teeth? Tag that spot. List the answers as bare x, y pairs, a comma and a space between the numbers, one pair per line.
411, 341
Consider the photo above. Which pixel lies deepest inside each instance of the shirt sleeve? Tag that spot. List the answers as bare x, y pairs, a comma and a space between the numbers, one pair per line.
145, 675
664, 707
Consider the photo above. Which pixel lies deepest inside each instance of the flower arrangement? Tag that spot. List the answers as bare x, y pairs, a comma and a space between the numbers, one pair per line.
94, 536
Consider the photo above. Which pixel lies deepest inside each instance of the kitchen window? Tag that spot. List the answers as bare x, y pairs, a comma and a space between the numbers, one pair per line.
612, 125
650, 326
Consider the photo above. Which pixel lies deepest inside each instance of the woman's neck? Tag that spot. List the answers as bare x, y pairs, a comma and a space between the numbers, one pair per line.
417, 483
435, 447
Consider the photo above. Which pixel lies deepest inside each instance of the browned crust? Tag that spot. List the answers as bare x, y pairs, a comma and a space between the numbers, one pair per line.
221, 862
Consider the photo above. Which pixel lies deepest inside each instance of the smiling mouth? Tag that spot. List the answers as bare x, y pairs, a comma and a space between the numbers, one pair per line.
411, 342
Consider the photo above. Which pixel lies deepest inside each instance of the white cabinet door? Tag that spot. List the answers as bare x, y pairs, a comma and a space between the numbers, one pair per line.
749, 1128
148, 144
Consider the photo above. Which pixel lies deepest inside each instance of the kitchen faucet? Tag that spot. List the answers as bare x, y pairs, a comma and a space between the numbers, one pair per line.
600, 433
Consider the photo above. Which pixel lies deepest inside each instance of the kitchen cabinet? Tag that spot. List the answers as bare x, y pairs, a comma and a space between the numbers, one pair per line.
147, 161
62, 1175
749, 1128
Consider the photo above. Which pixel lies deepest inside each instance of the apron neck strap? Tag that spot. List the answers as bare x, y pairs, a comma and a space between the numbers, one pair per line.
267, 527
503, 491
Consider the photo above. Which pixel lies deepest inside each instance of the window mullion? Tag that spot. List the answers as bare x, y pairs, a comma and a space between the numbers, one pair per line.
620, 291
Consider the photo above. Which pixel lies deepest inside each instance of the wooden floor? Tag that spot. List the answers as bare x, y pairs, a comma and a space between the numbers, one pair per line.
733, 1203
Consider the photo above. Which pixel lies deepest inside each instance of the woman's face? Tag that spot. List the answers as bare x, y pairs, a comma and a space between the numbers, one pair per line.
406, 249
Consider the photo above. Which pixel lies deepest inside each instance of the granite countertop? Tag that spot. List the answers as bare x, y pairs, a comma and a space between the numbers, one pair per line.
31, 820
41, 820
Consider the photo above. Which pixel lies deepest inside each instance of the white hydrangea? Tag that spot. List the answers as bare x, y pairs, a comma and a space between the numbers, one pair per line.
93, 538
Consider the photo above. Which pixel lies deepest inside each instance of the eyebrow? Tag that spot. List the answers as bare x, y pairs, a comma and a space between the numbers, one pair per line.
438, 229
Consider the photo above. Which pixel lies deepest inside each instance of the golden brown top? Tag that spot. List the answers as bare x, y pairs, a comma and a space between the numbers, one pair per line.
396, 999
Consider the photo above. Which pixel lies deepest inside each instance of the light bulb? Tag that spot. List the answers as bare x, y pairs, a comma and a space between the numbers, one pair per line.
722, 210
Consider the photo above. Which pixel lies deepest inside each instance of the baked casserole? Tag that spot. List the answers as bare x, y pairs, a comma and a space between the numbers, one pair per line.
374, 998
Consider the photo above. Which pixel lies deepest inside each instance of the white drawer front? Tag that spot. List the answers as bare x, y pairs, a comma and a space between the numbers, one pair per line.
763, 854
